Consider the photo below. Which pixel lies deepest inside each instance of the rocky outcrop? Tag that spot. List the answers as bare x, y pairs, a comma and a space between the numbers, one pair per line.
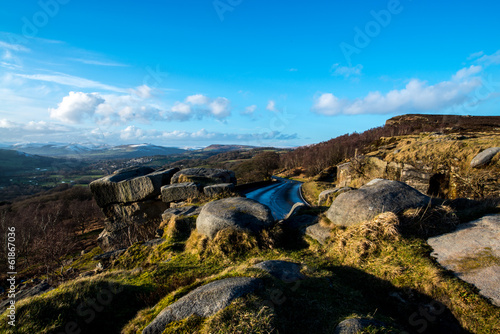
219, 189
484, 157
179, 222
129, 198
283, 270
344, 175
318, 232
326, 197
238, 213
124, 222
185, 211
375, 197
203, 301
416, 177
134, 199
204, 176
473, 253
179, 192
130, 185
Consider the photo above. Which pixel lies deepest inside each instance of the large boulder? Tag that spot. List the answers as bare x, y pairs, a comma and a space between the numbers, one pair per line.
238, 213
327, 196
179, 192
472, 252
218, 189
283, 270
417, 177
121, 215
204, 176
130, 222
372, 199
203, 301
130, 185
318, 232
484, 157
185, 211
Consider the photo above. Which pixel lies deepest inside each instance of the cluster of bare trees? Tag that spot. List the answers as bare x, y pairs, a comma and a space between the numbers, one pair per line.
259, 168
49, 229
317, 157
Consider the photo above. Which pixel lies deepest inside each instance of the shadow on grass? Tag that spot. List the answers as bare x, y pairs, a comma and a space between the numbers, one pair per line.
89, 306
317, 305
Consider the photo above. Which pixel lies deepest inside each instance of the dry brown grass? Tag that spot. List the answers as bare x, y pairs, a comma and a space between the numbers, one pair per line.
179, 228
356, 243
428, 221
227, 244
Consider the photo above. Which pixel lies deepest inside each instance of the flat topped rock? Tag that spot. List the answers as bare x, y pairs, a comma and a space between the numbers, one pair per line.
179, 192
318, 232
130, 185
327, 196
238, 213
372, 199
185, 211
472, 251
218, 189
484, 157
204, 176
203, 301
283, 270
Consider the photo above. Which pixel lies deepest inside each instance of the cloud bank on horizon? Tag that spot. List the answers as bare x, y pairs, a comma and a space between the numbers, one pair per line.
64, 85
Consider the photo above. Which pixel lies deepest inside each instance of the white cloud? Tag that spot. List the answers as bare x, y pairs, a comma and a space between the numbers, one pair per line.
133, 133
6, 124
493, 59
475, 55
219, 108
417, 96
69, 80
13, 47
98, 62
467, 72
107, 109
346, 71
197, 99
144, 91
180, 111
293, 70
39, 131
271, 106
198, 106
249, 110
76, 106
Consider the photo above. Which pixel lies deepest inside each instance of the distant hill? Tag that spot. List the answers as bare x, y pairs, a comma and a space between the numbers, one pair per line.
226, 148
14, 162
96, 152
315, 158
445, 123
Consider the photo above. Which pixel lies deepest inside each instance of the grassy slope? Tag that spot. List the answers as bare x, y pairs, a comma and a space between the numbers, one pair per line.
373, 270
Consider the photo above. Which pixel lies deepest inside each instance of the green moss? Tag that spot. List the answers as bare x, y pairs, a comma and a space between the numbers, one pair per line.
93, 305
482, 259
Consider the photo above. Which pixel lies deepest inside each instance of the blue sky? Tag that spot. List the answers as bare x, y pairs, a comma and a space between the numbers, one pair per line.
281, 73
